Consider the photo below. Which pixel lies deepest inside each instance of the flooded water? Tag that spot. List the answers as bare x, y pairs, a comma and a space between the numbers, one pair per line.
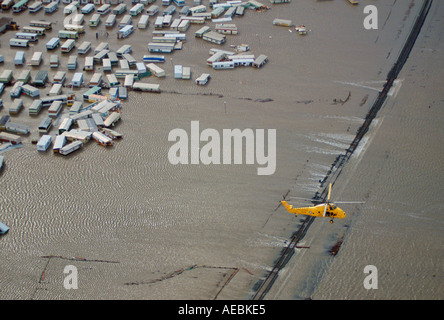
137, 227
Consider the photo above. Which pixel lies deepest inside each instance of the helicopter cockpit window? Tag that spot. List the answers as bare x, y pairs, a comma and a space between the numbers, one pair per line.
332, 207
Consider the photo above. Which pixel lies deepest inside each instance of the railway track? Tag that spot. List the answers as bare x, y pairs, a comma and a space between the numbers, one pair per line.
264, 286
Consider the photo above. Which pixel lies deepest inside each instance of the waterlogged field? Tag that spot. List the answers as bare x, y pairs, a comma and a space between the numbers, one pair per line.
171, 211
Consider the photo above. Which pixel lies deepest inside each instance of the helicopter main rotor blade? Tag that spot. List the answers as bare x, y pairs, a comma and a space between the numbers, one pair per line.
349, 202
325, 209
329, 192
306, 199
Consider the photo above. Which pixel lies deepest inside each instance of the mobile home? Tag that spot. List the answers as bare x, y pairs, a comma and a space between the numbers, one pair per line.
26, 36
59, 142
112, 119
96, 80
126, 20
282, 22
120, 9
155, 59
68, 34
126, 31
101, 46
223, 65
16, 128
280, 1
123, 93
6, 76
20, 6
184, 11
19, 42
95, 20
240, 10
55, 108
24, 76
65, 125
169, 11
100, 55
218, 56
110, 21
70, 8
156, 70
30, 90
112, 80
89, 64
59, 77
158, 47
75, 27
44, 142
104, 9
213, 37
226, 28
54, 61
16, 106
158, 23
72, 62
199, 33
36, 59
45, 125
98, 121
3, 227
147, 87
51, 7
195, 20
152, 10
53, 43
143, 21
175, 24
112, 56
141, 69
84, 47
7, 4
102, 139
56, 89
16, 89
203, 79
126, 48
186, 73
47, 101
166, 22
35, 107
136, 9
217, 12
78, 19
87, 8
68, 45
75, 109
77, 79
178, 69
179, 3
71, 147
122, 73
9, 137
94, 90
41, 24
260, 61
184, 25
19, 58
124, 65
107, 66
129, 80
131, 60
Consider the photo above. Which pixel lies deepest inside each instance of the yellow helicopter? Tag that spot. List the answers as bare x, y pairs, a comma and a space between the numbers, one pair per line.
326, 209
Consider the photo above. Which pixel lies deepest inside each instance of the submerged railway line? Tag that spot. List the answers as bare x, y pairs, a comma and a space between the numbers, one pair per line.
263, 286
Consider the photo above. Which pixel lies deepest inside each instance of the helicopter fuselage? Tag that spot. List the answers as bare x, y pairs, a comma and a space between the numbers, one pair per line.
317, 211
